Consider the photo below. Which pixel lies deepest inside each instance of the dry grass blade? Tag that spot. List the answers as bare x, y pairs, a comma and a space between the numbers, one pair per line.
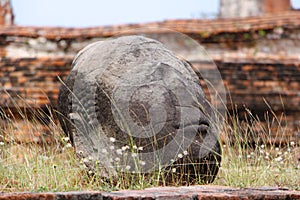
55, 167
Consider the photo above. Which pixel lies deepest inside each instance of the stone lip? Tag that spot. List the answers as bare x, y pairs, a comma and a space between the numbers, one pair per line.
184, 192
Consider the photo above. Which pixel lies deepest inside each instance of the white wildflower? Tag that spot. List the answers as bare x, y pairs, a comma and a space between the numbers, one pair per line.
119, 151
111, 147
142, 162
117, 159
261, 151
278, 159
262, 146
1, 143
66, 139
124, 148
68, 145
173, 170
281, 162
180, 155
134, 155
276, 149
104, 151
140, 148
292, 143
267, 153
128, 167
45, 158
185, 153
112, 139
134, 147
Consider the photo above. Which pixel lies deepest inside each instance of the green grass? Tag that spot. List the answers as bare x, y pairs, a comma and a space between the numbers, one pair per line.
53, 166
263, 166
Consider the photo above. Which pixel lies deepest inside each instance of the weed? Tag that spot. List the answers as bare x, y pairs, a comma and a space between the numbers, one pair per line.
54, 166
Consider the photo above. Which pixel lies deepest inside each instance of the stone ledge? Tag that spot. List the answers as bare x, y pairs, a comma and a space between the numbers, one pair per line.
206, 28
191, 192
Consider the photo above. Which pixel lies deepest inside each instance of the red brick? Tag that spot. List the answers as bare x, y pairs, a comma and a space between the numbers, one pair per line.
249, 77
199, 192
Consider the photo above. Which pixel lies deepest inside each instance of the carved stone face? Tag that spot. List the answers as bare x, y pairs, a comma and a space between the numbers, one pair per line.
131, 104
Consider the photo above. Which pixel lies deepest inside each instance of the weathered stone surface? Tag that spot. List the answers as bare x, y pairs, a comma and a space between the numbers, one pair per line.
191, 192
132, 92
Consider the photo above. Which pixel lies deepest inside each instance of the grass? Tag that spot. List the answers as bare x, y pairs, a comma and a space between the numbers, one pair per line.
53, 165
264, 165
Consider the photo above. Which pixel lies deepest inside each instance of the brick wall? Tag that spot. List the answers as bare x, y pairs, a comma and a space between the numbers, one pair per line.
31, 82
258, 57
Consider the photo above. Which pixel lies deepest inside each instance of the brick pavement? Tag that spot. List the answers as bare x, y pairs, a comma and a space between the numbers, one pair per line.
191, 192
